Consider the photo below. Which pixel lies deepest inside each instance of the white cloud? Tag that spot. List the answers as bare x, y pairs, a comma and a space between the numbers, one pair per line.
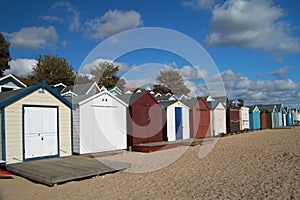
112, 22
193, 73
33, 38
264, 91
140, 83
254, 24
281, 73
21, 67
200, 4
75, 18
51, 19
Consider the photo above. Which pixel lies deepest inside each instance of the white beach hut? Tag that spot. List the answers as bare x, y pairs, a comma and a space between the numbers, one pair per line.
244, 119
217, 118
177, 120
99, 123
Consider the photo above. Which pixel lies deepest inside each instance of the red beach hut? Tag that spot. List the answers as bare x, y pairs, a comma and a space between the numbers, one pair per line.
233, 119
199, 117
144, 119
264, 119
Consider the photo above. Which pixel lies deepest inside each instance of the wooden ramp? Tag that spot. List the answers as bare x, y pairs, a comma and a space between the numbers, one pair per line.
158, 146
59, 170
154, 146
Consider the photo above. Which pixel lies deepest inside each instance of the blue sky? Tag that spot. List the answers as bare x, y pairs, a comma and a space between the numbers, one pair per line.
255, 44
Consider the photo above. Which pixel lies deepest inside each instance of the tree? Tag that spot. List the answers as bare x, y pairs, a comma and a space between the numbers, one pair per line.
53, 70
240, 103
161, 89
106, 74
81, 79
173, 80
4, 55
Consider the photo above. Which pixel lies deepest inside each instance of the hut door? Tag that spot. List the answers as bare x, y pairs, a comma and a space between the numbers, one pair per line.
178, 123
40, 132
203, 123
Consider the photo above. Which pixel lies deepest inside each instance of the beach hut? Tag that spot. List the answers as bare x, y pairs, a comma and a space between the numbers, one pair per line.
116, 91
145, 118
244, 119
232, 119
279, 113
298, 116
99, 123
199, 117
284, 114
217, 117
11, 82
289, 117
254, 117
295, 116
35, 124
177, 125
80, 89
264, 123
272, 115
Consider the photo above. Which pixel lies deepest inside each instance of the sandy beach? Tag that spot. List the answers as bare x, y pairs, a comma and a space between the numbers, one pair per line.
254, 165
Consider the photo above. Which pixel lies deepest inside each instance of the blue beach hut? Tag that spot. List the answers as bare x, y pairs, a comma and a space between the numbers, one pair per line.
254, 117
280, 113
289, 117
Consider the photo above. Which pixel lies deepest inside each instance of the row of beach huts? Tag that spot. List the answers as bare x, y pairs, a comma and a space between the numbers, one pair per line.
45, 121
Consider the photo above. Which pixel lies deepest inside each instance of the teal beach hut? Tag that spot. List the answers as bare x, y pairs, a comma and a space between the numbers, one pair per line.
254, 117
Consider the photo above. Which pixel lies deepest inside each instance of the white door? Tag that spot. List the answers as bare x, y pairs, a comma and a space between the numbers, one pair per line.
109, 122
108, 134
40, 132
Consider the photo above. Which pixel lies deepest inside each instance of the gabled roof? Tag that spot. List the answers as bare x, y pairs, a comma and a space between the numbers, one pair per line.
165, 104
279, 107
59, 87
80, 89
213, 104
116, 90
15, 78
208, 98
190, 102
59, 84
252, 108
222, 99
268, 108
79, 100
165, 97
9, 97
130, 98
182, 97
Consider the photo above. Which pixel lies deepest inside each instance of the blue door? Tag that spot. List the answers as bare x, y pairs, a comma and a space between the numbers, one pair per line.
178, 123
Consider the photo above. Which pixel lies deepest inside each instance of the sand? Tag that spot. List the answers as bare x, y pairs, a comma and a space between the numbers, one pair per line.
254, 165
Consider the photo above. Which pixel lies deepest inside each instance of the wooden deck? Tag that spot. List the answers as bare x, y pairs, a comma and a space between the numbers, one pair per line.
59, 170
